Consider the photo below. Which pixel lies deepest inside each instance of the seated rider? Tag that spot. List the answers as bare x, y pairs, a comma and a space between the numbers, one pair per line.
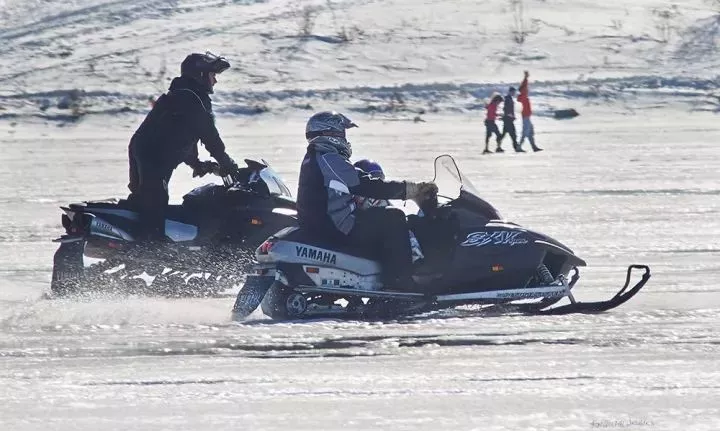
327, 185
374, 169
169, 135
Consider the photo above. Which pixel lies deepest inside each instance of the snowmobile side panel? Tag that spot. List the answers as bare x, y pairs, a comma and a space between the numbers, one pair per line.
300, 253
506, 294
180, 232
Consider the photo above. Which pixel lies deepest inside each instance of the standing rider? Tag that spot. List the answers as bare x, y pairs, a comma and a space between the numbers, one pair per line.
169, 135
327, 186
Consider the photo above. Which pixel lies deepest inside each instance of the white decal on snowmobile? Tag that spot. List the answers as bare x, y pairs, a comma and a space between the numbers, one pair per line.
319, 255
530, 295
500, 237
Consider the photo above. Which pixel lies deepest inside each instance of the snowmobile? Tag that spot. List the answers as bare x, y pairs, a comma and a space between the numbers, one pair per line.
471, 257
212, 236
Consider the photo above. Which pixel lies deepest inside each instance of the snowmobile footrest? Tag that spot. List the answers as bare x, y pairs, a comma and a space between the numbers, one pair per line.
360, 293
622, 296
68, 238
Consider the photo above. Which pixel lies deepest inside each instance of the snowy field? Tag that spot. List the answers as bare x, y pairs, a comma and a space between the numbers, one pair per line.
634, 179
619, 189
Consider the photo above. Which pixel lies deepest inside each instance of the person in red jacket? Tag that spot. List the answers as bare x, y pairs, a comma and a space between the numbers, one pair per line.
490, 125
527, 131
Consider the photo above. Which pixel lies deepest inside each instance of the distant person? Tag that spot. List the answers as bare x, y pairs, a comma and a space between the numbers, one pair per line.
490, 126
528, 130
168, 137
509, 119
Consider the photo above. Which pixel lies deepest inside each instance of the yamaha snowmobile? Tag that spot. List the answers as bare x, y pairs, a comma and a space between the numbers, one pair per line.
211, 239
471, 256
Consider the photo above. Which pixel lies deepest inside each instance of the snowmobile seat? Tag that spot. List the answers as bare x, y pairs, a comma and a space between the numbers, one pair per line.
299, 235
174, 212
110, 203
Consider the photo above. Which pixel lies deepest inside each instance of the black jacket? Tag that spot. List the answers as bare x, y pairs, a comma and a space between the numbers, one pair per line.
326, 188
179, 119
508, 108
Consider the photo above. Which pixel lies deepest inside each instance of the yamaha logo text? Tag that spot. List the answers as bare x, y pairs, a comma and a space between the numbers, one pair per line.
314, 254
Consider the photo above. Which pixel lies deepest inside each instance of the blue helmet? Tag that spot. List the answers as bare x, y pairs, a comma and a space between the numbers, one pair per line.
371, 167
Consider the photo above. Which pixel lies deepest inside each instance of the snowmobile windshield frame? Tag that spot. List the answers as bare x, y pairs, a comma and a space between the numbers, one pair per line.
274, 183
450, 180
453, 184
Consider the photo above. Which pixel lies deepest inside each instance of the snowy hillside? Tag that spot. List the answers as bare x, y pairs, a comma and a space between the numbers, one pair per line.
94, 56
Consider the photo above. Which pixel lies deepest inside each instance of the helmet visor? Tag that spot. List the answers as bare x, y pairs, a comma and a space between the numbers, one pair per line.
217, 64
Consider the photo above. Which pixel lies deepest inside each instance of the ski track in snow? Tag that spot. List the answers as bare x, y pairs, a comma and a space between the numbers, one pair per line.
633, 179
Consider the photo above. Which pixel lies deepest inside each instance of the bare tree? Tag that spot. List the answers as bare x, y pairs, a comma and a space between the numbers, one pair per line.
665, 21
521, 28
307, 22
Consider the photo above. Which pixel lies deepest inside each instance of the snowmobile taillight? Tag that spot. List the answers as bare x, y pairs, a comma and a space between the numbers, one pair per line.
265, 247
312, 270
256, 221
497, 268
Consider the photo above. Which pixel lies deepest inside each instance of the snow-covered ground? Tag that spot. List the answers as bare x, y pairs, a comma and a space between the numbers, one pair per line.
633, 179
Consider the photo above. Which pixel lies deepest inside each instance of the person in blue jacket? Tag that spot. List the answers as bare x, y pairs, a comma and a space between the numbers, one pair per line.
328, 186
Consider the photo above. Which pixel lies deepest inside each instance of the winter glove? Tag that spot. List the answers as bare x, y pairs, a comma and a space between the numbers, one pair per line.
227, 165
201, 169
420, 192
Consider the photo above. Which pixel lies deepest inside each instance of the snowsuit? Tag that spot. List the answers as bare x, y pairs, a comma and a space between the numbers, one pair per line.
528, 130
326, 207
364, 203
509, 120
490, 117
167, 137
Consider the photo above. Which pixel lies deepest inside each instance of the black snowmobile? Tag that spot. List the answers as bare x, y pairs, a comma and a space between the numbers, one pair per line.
471, 256
214, 234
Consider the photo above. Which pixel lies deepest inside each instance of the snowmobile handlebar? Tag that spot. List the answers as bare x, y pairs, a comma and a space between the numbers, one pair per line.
429, 205
247, 179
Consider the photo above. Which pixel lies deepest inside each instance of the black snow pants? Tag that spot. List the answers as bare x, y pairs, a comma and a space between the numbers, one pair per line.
384, 232
490, 129
148, 192
509, 129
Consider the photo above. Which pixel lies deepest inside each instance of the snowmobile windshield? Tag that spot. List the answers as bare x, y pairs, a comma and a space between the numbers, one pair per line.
450, 180
275, 184
453, 185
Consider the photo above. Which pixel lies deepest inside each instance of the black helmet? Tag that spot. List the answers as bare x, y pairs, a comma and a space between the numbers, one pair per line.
199, 66
331, 125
